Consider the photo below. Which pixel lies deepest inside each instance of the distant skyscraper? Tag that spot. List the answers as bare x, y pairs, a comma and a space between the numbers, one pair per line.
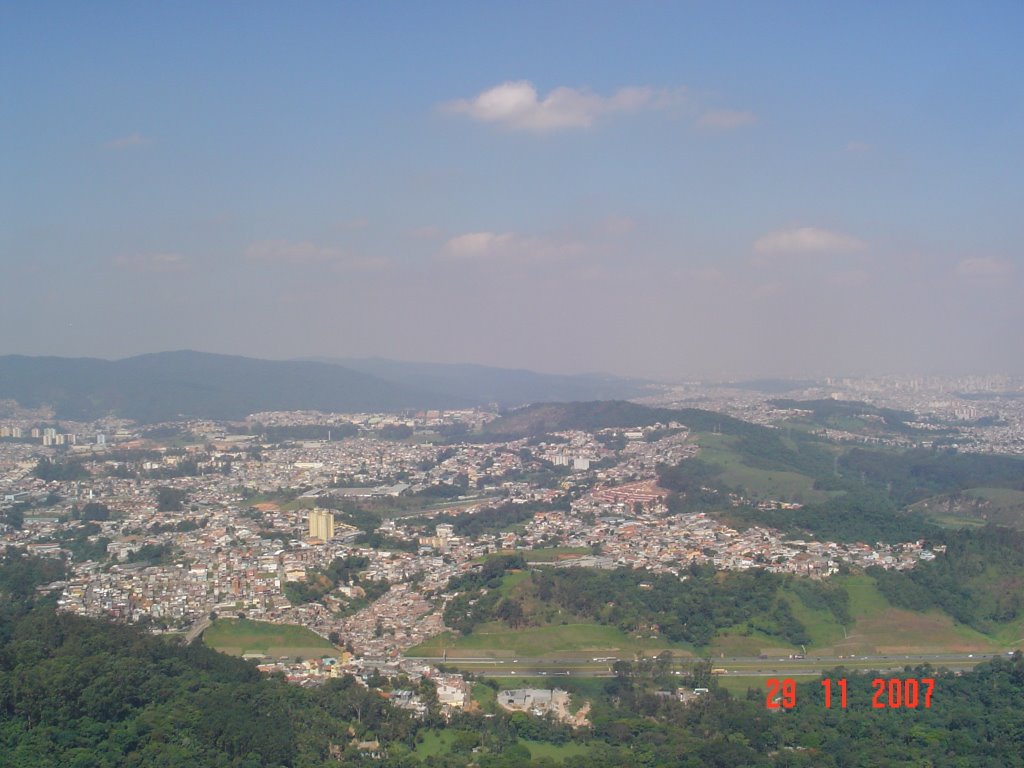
101, 439
321, 524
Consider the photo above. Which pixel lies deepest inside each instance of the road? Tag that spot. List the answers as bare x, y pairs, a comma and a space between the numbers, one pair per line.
742, 666
197, 629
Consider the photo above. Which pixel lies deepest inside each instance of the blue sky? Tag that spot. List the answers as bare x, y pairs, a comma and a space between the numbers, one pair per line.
684, 189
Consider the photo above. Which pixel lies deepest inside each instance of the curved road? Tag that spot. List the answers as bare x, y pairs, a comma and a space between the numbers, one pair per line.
197, 629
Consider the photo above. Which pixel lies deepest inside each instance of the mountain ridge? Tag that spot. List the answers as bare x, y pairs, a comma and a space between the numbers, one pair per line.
165, 386
489, 384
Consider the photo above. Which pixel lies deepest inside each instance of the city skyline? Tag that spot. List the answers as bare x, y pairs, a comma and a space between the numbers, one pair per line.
691, 191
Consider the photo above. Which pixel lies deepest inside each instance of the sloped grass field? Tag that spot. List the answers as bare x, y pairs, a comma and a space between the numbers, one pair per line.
876, 628
496, 640
879, 628
776, 484
241, 636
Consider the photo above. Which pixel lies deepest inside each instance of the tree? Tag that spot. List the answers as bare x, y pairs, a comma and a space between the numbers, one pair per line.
52, 470
16, 516
511, 612
95, 511
169, 499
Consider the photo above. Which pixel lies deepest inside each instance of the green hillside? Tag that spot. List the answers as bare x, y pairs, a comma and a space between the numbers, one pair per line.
850, 415
966, 600
539, 419
739, 469
849, 493
975, 506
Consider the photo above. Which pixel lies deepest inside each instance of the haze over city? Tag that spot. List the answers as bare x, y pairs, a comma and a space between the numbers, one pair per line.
687, 190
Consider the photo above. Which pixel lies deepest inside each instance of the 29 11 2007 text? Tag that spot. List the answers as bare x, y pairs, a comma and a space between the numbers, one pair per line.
887, 693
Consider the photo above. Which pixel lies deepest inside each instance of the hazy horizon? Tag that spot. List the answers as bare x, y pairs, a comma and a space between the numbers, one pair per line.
818, 376
701, 191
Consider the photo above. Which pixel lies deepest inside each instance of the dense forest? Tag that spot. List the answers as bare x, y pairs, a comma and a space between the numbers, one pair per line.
690, 611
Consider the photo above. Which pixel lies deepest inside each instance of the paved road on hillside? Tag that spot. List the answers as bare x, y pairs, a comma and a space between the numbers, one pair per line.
197, 629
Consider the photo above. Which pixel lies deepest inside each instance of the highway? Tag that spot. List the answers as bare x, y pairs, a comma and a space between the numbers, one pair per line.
742, 666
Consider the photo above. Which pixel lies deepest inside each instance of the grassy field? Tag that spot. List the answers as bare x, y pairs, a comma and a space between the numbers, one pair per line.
434, 743
1011, 636
511, 580
241, 636
541, 749
823, 627
737, 685
739, 641
485, 697
758, 483
954, 521
496, 640
879, 628
553, 554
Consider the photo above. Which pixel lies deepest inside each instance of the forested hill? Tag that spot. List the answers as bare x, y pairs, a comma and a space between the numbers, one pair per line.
170, 385
486, 384
84, 692
609, 414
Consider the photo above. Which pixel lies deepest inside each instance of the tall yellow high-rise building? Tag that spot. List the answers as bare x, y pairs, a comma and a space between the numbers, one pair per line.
321, 524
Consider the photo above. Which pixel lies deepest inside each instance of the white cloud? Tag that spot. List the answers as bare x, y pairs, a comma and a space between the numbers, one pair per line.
482, 246
516, 106
726, 119
128, 142
151, 262
475, 244
807, 240
984, 266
